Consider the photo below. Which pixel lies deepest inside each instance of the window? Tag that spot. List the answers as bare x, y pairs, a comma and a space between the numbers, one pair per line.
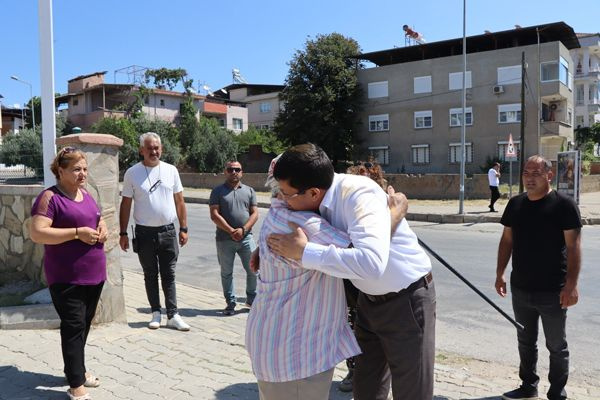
563, 72
238, 124
502, 145
423, 119
381, 154
549, 71
162, 102
454, 153
455, 80
378, 123
579, 120
75, 101
509, 113
378, 89
579, 94
422, 84
420, 153
456, 116
569, 116
266, 127
265, 107
509, 75
146, 100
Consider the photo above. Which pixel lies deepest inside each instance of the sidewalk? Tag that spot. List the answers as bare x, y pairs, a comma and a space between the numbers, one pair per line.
440, 211
209, 362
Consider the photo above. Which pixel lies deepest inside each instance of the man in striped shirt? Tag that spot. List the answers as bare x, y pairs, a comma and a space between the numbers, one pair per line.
297, 330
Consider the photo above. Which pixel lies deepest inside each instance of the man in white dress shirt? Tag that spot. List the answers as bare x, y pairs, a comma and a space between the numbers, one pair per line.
395, 325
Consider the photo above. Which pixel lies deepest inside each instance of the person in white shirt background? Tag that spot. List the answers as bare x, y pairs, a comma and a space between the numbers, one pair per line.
494, 180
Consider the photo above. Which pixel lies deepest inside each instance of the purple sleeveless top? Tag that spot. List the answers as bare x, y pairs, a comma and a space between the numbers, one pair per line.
73, 261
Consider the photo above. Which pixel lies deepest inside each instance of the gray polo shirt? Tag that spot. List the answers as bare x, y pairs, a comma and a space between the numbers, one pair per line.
234, 206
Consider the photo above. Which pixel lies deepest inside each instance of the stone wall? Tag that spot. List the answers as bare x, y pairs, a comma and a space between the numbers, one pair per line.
431, 186
20, 258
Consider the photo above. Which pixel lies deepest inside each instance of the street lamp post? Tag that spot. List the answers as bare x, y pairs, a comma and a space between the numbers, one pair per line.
463, 122
16, 78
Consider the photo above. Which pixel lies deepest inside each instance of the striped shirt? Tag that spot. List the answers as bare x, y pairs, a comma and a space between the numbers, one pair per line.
297, 326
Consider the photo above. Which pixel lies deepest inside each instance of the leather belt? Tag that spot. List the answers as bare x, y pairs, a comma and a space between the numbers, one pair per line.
162, 228
421, 282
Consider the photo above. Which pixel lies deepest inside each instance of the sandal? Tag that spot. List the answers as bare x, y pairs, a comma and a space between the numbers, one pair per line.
82, 397
91, 381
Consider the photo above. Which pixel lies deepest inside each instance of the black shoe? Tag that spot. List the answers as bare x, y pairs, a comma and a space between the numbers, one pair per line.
230, 309
346, 383
492, 209
521, 393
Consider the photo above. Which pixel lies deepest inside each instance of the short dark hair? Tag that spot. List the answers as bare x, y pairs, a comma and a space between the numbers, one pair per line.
305, 166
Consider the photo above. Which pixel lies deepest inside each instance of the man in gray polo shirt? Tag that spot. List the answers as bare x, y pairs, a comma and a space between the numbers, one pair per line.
233, 209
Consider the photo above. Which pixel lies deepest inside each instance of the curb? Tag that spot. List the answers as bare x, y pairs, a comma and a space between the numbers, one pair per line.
35, 316
422, 217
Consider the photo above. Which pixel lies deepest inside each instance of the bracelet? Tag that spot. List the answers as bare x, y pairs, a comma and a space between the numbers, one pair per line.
243, 231
76, 234
183, 229
123, 233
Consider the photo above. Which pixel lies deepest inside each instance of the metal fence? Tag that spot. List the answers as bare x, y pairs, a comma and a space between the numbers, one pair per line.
20, 175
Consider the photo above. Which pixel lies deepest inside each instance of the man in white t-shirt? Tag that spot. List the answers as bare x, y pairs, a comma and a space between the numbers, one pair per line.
494, 179
156, 189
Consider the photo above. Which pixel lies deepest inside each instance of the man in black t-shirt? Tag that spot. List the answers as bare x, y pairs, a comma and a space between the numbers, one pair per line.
542, 233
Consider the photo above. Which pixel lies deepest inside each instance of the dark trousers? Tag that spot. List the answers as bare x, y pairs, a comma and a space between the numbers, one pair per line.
158, 250
495, 195
529, 308
76, 307
397, 338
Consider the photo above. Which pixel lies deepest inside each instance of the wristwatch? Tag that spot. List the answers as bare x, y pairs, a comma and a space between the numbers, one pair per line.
183, 229
243, 231
122, 233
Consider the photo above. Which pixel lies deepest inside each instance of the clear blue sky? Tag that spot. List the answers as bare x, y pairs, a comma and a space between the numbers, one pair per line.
209, 38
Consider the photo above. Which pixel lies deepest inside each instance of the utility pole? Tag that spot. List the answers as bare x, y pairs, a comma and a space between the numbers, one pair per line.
522, 139
461, 193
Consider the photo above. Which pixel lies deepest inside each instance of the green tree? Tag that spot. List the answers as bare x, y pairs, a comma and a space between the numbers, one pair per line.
130, 130
212, 147
165, 78
24, 147
37, 108
268, 139
322, 96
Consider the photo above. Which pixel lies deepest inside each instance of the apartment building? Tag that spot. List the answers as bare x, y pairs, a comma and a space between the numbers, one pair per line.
89, 99
587, 80
413, 111
262, 101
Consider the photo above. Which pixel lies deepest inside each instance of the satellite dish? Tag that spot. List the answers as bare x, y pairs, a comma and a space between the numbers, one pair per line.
224, 91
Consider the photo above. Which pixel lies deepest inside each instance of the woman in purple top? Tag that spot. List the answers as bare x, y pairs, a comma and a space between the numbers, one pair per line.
67, 220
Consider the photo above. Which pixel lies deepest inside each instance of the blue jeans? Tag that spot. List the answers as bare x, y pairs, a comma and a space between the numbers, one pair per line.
529, 307
226, 251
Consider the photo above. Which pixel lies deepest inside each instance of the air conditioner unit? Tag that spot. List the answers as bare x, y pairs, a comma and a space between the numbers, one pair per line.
498, 89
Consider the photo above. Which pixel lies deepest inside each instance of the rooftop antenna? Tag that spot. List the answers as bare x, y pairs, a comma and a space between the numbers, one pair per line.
412, 37
237, 76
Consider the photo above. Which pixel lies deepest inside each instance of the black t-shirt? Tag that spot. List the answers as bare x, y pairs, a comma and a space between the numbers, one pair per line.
539, 254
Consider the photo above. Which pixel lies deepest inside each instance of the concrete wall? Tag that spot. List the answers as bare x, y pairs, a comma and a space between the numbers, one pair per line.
485, 132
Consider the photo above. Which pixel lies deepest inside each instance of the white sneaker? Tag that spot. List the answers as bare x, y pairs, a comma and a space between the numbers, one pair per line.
155, 323
177, 323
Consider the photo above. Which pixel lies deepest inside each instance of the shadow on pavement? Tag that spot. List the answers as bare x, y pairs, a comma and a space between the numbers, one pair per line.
238, 391
18, 385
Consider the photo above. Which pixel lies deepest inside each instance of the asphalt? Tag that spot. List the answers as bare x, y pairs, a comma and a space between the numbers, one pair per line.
441, 211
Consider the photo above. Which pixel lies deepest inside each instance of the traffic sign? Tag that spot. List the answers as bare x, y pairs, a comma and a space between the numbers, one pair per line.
511, 151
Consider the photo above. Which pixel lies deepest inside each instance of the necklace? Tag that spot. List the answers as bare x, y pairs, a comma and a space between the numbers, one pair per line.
154, 185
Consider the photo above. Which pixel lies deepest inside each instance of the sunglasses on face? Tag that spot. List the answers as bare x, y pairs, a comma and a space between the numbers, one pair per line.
233, 169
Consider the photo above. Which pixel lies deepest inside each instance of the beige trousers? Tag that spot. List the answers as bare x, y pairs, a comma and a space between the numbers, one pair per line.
315, 387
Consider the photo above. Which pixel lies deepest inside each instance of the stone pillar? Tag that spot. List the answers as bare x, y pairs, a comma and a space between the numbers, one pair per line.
102, 152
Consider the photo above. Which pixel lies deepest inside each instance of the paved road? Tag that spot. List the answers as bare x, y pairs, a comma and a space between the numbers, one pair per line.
466, 324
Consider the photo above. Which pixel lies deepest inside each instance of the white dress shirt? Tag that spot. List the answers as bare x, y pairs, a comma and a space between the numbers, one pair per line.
375, 264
